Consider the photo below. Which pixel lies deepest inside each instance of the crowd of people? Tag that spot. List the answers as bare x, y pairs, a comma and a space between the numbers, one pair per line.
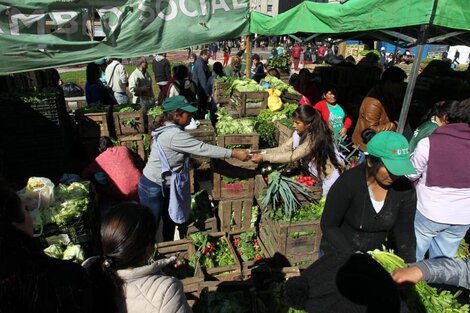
408, 194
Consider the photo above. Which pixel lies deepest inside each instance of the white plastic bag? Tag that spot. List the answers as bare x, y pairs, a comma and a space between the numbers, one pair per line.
38, 193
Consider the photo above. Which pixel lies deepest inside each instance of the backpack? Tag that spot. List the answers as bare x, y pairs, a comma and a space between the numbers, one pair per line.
189, 94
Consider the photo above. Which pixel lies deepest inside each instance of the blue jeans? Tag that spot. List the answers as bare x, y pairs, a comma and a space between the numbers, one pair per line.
121, 98
439, 239
151, 196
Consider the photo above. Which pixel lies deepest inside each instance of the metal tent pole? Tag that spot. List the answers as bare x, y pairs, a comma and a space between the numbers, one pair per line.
412, 80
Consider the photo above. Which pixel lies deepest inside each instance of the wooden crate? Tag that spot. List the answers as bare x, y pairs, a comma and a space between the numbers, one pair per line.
226, 273
284, 77
183, 249
219, 92
93, 125
124, 129
279, 237
235, 215
283, 133
207, 226
243, 172
248, 266
205, 132
288, 97
251, 141
243, 104
137, 143
275, 236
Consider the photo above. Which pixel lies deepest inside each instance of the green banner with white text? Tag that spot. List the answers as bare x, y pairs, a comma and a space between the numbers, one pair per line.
44, 34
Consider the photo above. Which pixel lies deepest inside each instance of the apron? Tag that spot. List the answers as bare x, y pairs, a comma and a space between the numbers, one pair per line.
180, 195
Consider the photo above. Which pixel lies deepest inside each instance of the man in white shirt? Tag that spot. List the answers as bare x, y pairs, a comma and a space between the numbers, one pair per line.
116, 77
140, 85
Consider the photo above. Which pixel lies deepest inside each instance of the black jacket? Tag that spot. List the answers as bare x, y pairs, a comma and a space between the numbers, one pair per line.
350, 223
161, 70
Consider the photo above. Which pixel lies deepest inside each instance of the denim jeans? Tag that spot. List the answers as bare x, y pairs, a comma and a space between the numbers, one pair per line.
121, 98
439, 239
151, 195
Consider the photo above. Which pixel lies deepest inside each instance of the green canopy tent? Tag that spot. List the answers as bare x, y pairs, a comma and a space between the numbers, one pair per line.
405, 23
43, 34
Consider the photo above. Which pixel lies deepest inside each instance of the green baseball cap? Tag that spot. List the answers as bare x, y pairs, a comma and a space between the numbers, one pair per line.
392, 149
178, 102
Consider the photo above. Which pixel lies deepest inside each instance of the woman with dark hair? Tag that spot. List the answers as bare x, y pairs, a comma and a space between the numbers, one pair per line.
311, 144
373, 204
369, 206
437, 117
257, 68
164, 186
95, 91
126, 276
332, 113
31, 281
379, 109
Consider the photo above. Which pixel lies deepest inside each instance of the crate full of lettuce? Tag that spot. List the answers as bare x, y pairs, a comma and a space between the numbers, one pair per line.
71, 213
247, 97
216, 256
290, 223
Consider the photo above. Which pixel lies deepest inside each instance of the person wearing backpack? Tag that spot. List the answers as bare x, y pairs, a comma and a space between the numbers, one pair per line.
182, 85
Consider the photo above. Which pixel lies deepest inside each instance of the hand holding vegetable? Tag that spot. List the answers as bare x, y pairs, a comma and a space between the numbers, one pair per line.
410, 274
257, 158
343, 131
242, 155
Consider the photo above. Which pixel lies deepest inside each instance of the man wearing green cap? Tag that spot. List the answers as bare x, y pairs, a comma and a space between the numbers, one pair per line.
164, 186
373, 202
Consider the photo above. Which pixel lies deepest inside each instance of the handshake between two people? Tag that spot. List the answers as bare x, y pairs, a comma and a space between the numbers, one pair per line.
245, 155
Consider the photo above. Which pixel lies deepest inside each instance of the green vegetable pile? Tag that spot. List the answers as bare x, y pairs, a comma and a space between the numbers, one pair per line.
308, 212
244, 85
280, 195
93, 108
155, 111
70, 252
462, 252
434, 301
211, 252
70, 202
201, 207
278, 84
227, 302
36, 96
227, 125
281, 62
265, 127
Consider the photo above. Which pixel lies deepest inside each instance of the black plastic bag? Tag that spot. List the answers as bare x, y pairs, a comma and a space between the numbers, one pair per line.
72, 90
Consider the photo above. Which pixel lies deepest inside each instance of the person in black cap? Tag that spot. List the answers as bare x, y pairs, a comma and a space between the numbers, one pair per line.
164, 186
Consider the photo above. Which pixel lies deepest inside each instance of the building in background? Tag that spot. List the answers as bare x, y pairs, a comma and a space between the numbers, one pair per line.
268, 7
